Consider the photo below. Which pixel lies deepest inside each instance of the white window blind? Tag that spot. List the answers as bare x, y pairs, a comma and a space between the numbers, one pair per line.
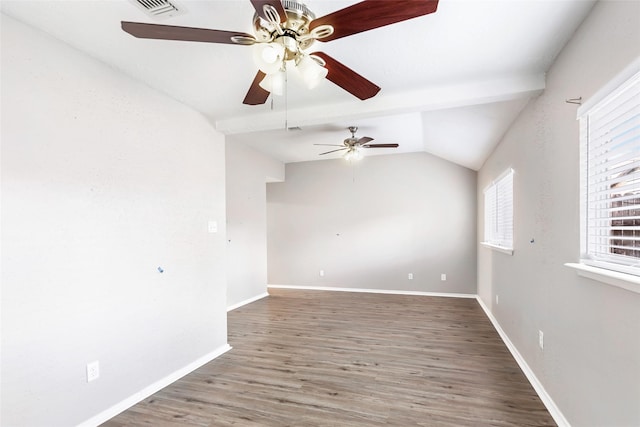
610, 172
498, 211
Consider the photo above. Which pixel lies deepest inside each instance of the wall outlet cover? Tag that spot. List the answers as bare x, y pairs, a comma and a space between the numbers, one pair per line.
93, 371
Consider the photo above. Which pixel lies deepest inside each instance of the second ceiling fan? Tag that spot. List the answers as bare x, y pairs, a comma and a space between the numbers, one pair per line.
353, 146
285, 29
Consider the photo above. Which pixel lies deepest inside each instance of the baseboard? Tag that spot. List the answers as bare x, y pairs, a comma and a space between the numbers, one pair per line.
553, 409
247, 301
153, 388
373, 291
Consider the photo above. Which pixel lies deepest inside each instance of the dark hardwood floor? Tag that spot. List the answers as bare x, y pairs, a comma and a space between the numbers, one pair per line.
317, 358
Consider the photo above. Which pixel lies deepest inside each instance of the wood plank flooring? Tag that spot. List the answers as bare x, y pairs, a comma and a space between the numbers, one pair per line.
318, 358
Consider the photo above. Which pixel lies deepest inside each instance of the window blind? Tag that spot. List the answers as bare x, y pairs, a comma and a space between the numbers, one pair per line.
498, 208
610, 151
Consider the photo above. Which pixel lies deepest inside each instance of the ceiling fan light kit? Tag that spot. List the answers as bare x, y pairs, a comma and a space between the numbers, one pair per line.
353, 154
285, 29
285, 42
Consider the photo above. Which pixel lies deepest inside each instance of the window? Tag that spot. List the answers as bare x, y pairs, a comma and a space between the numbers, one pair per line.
610, 179
498, 212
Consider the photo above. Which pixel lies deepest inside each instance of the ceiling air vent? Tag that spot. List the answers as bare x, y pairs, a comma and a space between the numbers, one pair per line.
159, 8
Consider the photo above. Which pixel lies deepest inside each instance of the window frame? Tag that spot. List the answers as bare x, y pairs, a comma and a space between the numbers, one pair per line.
605, 268
500, 215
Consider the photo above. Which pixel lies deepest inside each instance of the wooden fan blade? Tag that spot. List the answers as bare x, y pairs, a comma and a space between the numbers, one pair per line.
348, 79
170, 32
381, 146
364, 140
256, 94
277, 5
371, 14
333, 151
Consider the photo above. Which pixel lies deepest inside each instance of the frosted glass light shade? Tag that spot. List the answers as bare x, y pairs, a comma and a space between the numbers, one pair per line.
274, 83
353, 154
312, 73
268, 57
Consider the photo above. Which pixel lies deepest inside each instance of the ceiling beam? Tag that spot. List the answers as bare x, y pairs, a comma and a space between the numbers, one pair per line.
428, 99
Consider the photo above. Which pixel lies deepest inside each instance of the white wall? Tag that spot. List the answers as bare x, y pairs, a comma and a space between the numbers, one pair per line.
248, 172
103, 181
369, 224
591, 360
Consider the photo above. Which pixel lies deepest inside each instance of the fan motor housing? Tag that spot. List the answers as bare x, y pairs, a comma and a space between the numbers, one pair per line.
350, 142
298, 19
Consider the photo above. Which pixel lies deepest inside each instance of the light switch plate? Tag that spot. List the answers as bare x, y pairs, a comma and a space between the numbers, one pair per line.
541, 340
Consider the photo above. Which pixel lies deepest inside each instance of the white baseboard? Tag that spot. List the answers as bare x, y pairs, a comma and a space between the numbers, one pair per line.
153, 388
373, 291
553, 409
247, 301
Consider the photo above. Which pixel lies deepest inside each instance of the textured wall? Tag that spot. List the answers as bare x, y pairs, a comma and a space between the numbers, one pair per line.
369, 224
591, 360
248, 172
103, 181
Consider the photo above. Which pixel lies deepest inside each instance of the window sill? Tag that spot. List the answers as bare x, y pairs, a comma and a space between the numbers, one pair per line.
610, 277
508, 251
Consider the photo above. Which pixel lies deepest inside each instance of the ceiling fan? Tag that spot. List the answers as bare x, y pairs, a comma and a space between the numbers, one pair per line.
285, 29
354, 146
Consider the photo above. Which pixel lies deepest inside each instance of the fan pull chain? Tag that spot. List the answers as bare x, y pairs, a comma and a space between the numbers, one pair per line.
286, 97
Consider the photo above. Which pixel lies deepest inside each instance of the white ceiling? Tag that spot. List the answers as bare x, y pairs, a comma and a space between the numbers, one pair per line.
452, 82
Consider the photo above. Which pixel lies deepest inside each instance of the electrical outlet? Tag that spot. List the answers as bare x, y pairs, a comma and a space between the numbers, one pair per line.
497, 299
443, 277
93, 371
321, 273
410, 276
541, 340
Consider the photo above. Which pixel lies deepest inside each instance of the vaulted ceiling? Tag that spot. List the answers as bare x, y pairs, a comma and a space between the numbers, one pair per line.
452, 81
